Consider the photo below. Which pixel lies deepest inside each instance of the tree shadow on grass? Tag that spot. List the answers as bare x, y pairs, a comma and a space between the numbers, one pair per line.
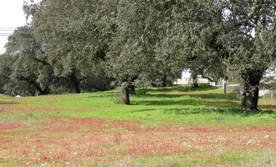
188, 102
220, 103
201, 111
160, 95
143, 110
168, 102
7, 102
230, 96
268, 106
170, 93
107, 95
222, 111
202, 87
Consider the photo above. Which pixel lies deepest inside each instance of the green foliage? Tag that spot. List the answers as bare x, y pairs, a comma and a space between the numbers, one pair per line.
137, 35
5, 71
75, 44
39, 69
29, 70
89, 44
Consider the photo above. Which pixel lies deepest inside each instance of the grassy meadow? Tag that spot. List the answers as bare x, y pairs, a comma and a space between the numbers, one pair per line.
177, 126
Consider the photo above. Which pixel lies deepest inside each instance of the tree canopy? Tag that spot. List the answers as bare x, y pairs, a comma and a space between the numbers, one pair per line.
91, 44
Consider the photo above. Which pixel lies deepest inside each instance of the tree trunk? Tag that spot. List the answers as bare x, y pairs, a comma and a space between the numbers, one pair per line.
195, 80
38, 90
225, 79
164, 80
125, 95
132, 89
224, 87
75, 83
251, 90
46, 91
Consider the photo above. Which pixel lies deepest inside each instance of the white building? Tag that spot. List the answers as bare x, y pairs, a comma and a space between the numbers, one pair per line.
186, 79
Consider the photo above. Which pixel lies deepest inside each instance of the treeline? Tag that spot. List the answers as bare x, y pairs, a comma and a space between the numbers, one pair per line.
26, 70
91, 45
58, 54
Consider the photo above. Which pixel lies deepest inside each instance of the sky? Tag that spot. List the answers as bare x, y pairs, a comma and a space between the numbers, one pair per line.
11, 16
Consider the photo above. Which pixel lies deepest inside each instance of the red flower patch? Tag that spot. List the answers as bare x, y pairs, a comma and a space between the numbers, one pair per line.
83, 141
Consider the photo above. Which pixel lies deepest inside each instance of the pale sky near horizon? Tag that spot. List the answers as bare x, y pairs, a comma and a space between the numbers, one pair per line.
11, 16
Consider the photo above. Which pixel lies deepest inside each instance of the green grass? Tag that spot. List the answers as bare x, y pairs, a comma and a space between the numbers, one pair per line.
169, 108
205, 105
